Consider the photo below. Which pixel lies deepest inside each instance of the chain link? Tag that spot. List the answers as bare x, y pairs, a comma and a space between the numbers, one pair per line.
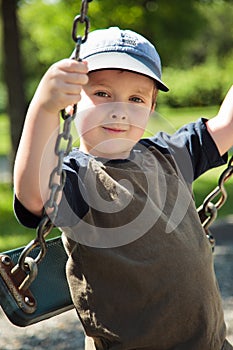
62, 148
82, 18
208, 211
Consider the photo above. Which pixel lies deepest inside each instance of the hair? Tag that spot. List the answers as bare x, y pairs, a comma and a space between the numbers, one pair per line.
154, 95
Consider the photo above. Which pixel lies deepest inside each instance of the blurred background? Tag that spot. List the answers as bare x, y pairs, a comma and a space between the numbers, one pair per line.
194, 39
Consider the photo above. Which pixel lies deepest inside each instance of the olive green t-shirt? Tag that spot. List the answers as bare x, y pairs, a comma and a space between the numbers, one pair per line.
144, 283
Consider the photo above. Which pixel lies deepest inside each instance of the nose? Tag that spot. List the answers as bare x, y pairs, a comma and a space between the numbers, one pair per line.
119, 111
119, 117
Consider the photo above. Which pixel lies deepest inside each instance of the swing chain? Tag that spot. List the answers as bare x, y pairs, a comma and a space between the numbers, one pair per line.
82, 18
62, 148
208, 210
65, 135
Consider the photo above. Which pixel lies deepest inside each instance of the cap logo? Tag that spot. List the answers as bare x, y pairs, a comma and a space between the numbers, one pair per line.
127, 40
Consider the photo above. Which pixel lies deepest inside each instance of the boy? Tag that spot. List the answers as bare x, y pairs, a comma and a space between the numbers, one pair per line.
139, 267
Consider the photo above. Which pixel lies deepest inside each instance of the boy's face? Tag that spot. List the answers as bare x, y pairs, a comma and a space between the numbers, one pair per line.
113, 112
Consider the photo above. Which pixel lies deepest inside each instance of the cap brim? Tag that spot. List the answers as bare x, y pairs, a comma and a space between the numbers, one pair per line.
121, 60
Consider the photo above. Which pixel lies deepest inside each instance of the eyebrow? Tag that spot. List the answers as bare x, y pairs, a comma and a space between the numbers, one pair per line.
99, 83
141, 90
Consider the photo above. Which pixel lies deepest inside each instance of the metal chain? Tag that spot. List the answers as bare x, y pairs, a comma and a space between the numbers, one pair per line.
208, 211
58, 176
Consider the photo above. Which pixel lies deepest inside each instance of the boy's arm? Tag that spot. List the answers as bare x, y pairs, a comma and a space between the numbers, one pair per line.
221, 126
35, 159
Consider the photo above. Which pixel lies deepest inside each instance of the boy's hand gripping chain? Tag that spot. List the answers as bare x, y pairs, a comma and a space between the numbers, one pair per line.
19, 277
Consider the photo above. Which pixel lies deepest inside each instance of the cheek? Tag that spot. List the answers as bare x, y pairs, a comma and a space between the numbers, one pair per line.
136, 133
139, 117
86, 120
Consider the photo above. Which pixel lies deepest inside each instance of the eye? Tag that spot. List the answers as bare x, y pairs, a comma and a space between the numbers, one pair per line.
136, 99
102, 94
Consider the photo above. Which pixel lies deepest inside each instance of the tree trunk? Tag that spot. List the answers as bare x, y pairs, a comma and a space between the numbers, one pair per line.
13, 72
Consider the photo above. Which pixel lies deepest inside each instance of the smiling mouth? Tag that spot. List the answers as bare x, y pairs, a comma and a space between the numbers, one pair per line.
113, 130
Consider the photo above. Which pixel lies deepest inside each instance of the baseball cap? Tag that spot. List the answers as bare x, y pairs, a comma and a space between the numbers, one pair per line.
114, 48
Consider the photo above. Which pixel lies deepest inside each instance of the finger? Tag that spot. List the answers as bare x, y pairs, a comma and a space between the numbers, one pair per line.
74, 66
71, 71
72, 89
76, 79
68, 99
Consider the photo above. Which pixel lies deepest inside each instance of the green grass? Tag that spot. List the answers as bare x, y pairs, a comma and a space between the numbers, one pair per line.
12, 234
169, 120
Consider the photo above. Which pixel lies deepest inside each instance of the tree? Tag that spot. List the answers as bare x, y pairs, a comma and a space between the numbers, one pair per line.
13, 73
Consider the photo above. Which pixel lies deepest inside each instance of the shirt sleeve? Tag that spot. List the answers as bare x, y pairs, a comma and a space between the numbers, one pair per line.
192, 148
24, 216
71, 208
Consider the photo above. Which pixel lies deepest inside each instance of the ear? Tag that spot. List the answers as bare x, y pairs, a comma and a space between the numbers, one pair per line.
154, 99
153, 107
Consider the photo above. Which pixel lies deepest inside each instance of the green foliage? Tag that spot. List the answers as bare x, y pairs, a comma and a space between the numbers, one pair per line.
217, 39
162, 22
46, 38
214, 40
47, 24
180, 29
202, 85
